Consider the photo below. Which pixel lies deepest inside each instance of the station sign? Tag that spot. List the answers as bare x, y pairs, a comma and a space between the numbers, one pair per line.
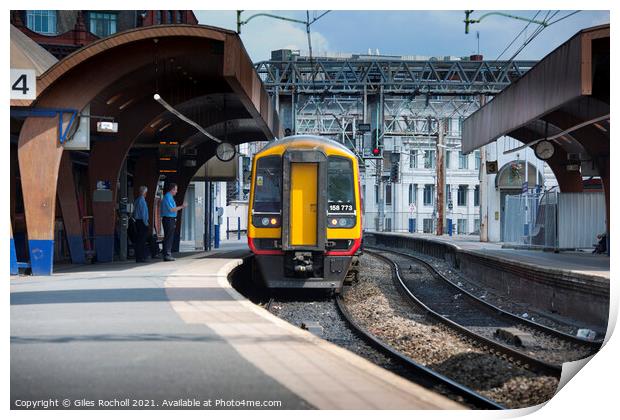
23, 84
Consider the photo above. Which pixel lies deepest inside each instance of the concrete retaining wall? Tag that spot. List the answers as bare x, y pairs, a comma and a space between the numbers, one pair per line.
577, 296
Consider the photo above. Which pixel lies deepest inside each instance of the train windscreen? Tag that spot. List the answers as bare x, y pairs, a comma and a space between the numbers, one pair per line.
340, 185
268, 185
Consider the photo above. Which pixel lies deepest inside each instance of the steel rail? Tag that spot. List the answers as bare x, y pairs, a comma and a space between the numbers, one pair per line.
512, 355
427, 376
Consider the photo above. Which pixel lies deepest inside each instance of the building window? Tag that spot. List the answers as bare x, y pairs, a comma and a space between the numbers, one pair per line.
477, 196
159, 16
102, 24
427, 225
448, 159
477, 159
388, 195
41, 21
477, 226
461, 226
429, 193
170, 16
463, 161
388, 225
376, 194
179, 16
455, 126
412, 193
429, 159
462, 195
413, 159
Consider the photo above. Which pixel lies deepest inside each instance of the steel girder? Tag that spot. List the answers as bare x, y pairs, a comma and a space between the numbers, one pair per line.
395, 76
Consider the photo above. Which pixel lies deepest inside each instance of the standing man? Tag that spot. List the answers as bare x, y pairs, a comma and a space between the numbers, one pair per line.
169, 211
141, 216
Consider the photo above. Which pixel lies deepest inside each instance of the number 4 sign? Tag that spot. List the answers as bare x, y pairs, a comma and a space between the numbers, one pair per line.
23, 84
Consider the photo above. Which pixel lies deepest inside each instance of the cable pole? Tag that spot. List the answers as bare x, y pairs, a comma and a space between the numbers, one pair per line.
441, 175
239, 21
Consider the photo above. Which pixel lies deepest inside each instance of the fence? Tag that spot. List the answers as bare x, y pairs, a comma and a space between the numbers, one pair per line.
421, 221
554, 220
531, 219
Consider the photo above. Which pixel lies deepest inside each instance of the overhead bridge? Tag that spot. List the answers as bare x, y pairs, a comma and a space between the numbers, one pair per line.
203, 72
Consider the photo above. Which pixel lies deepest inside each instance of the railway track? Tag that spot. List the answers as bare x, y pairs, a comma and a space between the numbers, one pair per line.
340, 327
424, 376
535, 347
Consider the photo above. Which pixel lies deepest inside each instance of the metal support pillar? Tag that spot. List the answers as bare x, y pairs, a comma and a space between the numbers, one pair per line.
123, 214
208, 213
380, 127
211, 211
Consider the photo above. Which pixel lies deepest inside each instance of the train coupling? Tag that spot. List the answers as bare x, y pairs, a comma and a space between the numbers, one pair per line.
303, 262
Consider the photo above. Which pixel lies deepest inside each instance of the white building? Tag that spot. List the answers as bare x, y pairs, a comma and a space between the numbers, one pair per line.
409, 205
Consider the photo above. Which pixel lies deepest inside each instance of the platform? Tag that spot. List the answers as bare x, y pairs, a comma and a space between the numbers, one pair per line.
176, 331
577, 262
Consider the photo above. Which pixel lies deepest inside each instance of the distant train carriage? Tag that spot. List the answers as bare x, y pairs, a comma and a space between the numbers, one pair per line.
305, 224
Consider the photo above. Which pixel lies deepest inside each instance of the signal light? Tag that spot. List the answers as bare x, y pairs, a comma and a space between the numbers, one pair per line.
274, 221
376, 151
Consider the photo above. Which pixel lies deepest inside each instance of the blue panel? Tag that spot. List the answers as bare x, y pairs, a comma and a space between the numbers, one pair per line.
76, 249
104, 248
216, 239
41, 256
14, 269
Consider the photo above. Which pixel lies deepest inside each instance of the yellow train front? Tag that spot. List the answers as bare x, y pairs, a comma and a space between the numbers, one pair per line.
305, 225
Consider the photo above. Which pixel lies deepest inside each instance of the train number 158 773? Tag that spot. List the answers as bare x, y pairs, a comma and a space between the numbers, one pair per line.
340, 208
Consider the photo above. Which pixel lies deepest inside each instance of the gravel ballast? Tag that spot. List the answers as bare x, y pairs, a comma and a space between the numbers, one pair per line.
377, 305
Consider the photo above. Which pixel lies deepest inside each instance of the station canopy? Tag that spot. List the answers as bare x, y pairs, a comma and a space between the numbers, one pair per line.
565, 96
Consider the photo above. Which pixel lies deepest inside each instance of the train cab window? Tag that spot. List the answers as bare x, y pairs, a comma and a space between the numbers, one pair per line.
268, 185
340, 186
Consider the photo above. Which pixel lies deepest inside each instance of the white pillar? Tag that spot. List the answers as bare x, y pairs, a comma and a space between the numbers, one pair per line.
456, 210
470, 208
419, 204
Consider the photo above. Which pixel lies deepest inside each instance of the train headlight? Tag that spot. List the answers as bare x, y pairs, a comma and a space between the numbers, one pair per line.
341, 222
266, 220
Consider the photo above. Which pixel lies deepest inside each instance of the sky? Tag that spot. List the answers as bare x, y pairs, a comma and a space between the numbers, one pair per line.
427, 33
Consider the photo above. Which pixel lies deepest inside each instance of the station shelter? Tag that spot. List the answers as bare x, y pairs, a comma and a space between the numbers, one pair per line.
562, 101
88, 132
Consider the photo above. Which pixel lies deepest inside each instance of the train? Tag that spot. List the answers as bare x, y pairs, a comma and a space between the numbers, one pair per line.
305, 213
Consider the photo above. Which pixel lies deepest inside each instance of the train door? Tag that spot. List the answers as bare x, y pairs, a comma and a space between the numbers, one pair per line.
303, 204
